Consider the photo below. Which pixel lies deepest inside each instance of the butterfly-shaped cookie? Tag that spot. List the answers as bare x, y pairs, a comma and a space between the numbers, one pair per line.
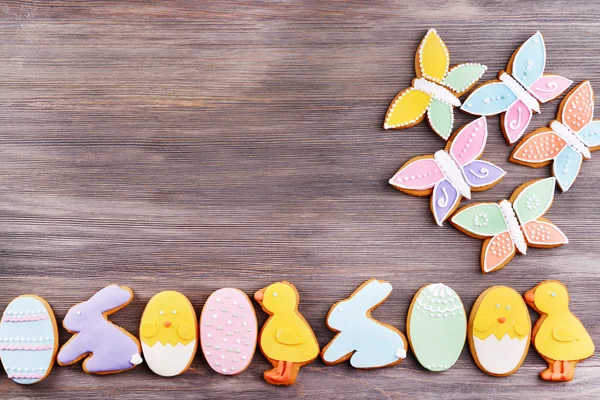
519, 90
434, 91
450, 173
511, 225
567, 142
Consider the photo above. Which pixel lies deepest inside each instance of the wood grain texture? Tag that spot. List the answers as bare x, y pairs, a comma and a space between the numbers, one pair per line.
193, 145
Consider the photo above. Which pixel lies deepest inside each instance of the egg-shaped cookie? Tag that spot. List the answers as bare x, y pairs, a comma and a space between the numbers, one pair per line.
437, 326
228, 331
169, 333
499, 331
28, 339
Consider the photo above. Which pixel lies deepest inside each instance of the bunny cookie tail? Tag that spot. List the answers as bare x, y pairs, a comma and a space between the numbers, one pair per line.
136, 359
401, 353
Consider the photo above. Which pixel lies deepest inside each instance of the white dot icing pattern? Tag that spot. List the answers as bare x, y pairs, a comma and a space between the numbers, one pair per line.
236, 328
439, 301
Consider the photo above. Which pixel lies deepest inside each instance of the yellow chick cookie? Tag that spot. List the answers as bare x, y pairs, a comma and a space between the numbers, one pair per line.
558, 335
499, 331
169, 333
286, 339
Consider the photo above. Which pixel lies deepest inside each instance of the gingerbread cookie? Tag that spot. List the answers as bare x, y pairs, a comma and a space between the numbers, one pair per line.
28, 339
169, 333
105, 347
568, 141
499, 331
436, 327
558, 335
286, 339
450, 174
366, 342
512, 225
228, 331
518, 92
434, 91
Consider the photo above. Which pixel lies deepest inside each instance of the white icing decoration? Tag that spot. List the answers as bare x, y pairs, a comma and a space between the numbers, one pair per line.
499, 356
453, 173
521, 93
513, 226
436, 91
442, 202
515, 123
483, 172
566, 134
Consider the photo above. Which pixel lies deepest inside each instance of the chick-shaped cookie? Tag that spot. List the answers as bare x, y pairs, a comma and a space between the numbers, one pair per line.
500, 328
558, 335
286, 339
168, 332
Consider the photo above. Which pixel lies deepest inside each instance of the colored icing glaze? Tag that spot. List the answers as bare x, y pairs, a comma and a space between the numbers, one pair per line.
542, 233
419, 174
489, 99
452, 172
549, 87
533, 201
530, 60
528, 100
461, 77
566, 167
408, 108
436, 91
434, 59
469, 142
590, 134
484, 219
169, 333
28, 339
106, 347
441, 118
437, 327
513, 226
443, 200
540, 147
371, 343
560, 335
578, 107
516, 120
229, 340
480, 173
568, 136
498, 251
500, 330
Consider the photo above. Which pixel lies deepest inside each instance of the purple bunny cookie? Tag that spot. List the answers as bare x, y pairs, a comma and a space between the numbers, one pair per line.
106, 347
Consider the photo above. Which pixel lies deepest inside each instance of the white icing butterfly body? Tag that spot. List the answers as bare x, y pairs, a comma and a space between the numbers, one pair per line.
453, 172
571, 138
436, 91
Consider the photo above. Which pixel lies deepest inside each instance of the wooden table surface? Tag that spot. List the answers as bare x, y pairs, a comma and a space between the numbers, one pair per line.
194, 145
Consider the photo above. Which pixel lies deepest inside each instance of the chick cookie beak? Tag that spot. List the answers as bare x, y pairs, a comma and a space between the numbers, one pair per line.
501, 320
259, 295
529, 298
167, 323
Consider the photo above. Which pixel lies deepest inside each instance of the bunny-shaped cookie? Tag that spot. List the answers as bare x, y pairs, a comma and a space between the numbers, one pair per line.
106, 347
366, 342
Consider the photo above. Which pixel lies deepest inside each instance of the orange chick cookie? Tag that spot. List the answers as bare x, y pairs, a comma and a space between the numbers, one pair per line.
286, 339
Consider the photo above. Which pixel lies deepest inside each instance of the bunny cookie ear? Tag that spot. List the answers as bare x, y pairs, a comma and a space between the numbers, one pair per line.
110, 298
372, 293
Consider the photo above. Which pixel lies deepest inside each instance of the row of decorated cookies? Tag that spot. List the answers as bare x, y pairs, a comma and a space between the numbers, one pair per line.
498, 331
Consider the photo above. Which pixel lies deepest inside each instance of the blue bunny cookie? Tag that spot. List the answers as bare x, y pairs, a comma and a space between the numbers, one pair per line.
367, 342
